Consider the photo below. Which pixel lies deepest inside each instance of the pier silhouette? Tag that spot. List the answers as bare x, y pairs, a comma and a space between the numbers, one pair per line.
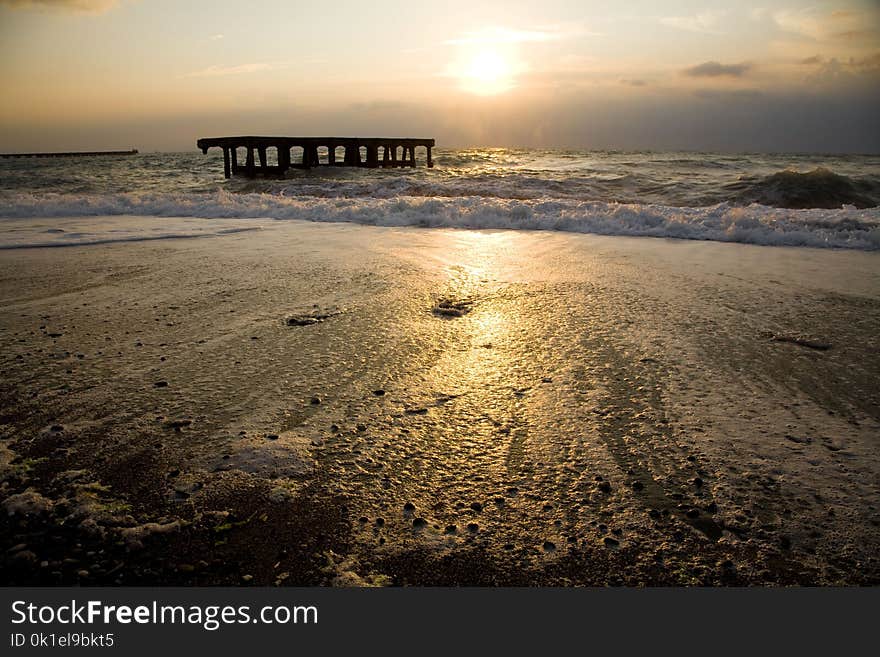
308, 152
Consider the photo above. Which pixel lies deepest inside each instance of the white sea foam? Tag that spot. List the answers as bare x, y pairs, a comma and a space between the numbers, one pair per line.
197, 214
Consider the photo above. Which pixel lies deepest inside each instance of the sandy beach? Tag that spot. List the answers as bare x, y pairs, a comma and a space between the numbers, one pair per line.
350, 405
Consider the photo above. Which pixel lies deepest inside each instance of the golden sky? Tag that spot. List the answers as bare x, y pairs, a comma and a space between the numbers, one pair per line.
156, 74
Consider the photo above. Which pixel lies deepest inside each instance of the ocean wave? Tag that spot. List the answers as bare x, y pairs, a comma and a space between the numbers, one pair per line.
819, 188
846, 227
667, 179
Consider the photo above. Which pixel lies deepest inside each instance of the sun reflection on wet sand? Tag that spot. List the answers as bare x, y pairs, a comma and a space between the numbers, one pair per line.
472, 407
539, 426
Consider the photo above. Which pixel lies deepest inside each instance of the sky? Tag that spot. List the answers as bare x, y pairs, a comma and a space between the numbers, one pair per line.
776, 75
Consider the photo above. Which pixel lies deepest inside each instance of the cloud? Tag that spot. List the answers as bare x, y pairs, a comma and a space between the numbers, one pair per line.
871, 63
705, 22
715, 94
634, 83
505, 35
502, 35
219, 71
717, 70
856, 35
800, 21
810, 61
864, 69
841, 24
217, 37
90, 6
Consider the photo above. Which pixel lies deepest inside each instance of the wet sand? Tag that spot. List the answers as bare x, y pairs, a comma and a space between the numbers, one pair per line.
350, 405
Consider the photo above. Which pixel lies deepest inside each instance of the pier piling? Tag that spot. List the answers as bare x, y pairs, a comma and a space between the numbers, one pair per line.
226, 165
311, 155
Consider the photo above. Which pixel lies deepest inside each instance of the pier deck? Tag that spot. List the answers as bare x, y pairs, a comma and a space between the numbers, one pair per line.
314, 151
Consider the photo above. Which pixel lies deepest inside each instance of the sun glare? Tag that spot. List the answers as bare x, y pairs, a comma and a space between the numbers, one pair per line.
487, 72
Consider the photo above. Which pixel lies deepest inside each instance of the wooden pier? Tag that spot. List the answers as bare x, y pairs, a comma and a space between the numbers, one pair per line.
74, 154
314, 151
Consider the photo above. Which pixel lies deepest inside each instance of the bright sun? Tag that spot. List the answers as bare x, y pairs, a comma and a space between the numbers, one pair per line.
488, 72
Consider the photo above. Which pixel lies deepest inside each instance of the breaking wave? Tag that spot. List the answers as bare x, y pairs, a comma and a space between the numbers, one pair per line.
844, 227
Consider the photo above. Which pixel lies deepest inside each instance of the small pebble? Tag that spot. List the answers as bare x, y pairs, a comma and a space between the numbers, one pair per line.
26, 557
727, 568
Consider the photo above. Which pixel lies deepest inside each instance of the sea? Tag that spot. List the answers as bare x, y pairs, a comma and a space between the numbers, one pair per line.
779, 200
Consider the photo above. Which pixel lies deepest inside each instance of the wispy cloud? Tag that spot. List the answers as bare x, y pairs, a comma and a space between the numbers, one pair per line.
833, 69
805, 22
859, 70
91, 6
506, 35
217, 37
717, 70
820, 26
239, 69
706, 22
